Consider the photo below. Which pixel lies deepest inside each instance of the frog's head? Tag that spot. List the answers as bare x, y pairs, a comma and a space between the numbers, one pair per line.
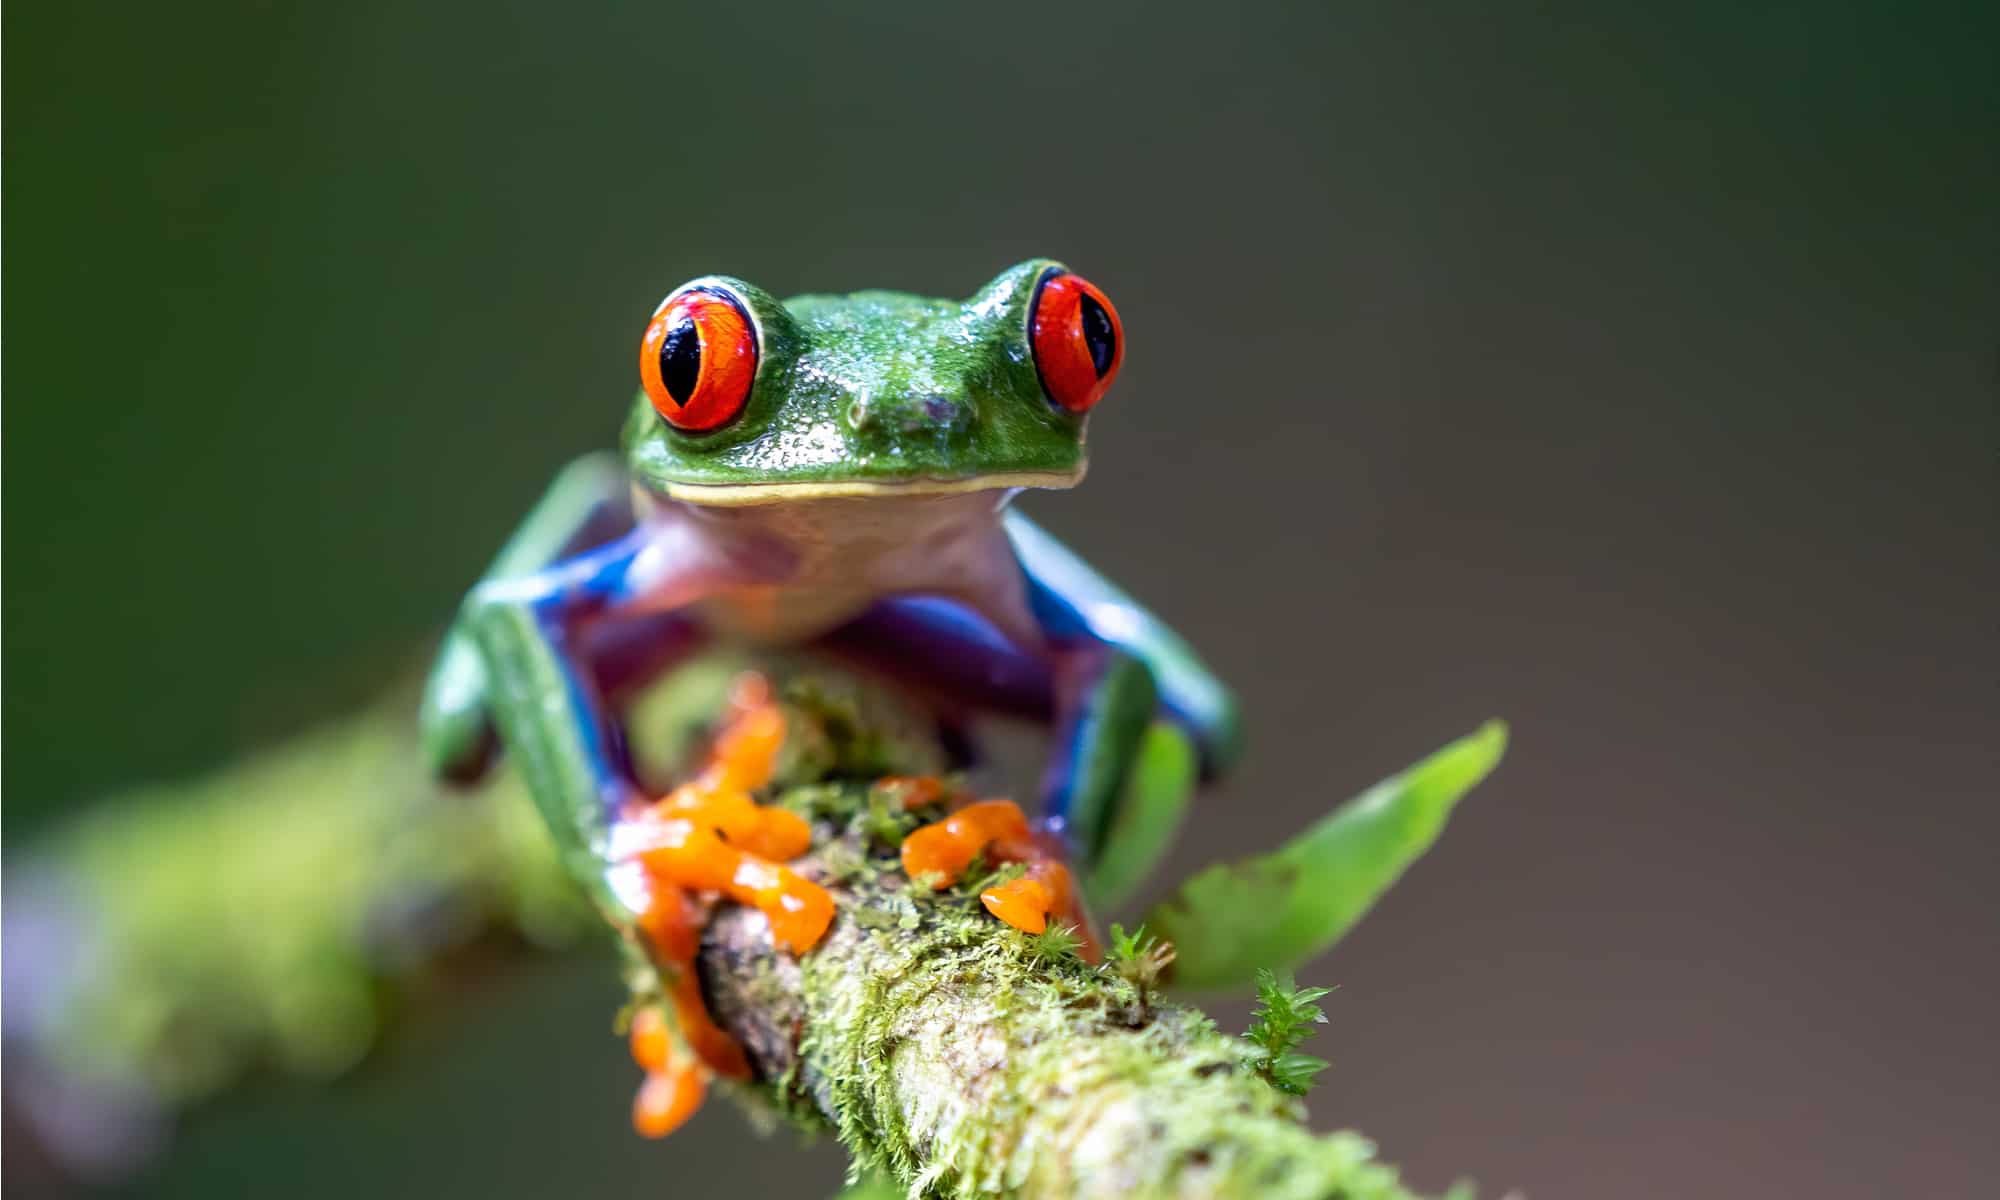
747, 400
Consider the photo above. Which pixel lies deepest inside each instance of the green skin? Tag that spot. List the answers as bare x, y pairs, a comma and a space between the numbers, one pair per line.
871, 463
875, 386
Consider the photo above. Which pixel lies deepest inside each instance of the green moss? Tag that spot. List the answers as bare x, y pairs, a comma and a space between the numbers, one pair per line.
963, 1062
273, 914
962, 1057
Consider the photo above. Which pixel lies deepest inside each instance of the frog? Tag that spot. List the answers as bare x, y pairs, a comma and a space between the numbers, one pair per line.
828, 470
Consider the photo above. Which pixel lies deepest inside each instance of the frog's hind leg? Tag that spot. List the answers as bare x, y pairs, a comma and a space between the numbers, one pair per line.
947, 653
626, 656
949, 661
1098, 698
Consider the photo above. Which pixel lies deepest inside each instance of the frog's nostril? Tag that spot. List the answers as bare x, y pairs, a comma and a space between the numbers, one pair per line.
911, 414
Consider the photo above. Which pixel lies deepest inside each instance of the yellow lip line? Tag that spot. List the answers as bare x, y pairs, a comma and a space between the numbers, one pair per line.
735, 495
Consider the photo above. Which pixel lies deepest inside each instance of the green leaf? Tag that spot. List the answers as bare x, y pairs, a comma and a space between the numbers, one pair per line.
1149, 811
1280, 909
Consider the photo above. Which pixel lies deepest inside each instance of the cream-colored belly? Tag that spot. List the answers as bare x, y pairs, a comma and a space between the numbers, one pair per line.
838, 556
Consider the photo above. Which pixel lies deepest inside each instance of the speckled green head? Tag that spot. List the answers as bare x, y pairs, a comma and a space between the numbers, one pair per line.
747, 400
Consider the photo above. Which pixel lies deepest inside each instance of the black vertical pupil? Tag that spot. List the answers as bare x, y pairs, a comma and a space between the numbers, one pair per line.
680, 360
1098, 334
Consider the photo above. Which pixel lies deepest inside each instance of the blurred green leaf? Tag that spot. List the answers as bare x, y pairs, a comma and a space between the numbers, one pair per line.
1156, 798
1280, 909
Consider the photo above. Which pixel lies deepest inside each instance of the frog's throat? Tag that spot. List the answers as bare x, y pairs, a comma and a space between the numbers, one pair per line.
744, 495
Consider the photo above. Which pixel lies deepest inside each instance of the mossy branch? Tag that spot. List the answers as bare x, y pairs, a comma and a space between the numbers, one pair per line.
954, 1054
962, 1057
273, 913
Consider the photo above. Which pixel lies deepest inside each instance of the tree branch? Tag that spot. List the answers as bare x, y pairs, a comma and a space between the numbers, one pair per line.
215, 927
946, 1051
961, 1056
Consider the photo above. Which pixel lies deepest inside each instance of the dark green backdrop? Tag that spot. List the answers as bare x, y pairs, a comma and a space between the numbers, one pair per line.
1631, 376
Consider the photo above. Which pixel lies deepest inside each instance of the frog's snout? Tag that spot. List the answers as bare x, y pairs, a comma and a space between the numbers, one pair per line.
923, 413
945, 412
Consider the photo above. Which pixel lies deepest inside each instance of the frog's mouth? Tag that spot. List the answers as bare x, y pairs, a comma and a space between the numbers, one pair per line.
743, 495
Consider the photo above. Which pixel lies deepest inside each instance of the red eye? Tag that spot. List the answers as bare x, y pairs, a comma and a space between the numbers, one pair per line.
1078, 341
697, 360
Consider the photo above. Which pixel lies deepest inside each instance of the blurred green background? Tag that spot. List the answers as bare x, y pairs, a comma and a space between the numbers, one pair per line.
1631, 375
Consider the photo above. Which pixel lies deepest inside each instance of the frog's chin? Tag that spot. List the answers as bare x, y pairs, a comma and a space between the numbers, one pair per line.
745, 495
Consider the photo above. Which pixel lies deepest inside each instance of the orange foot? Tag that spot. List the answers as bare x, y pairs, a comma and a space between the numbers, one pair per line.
941, 851
674, 1085
705, 839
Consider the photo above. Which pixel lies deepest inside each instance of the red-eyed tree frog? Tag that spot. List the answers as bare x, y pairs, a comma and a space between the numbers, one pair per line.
837, 469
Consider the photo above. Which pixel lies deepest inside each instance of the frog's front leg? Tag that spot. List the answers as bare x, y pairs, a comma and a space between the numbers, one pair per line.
1117, 666
588, 503
529, 632
1073, 603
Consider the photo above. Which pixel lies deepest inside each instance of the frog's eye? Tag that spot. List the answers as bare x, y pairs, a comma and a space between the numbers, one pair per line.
1077, 339
698, 358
